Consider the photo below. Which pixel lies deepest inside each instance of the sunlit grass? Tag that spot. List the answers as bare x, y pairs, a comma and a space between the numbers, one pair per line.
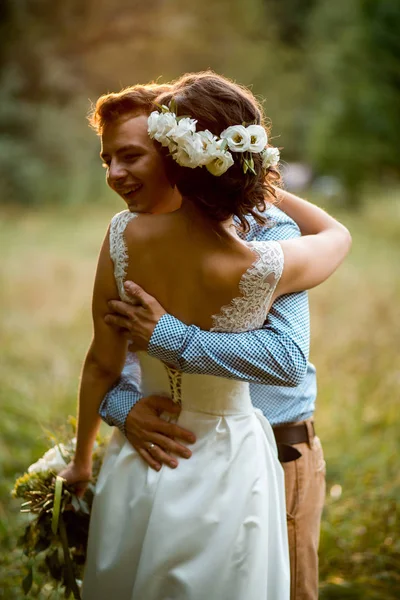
46, 275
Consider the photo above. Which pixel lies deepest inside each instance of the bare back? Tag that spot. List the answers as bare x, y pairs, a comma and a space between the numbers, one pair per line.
192, 269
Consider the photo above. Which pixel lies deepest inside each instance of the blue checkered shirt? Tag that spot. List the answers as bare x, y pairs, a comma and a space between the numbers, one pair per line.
273, 359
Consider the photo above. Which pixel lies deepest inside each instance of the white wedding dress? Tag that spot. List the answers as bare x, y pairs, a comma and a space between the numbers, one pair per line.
214, 528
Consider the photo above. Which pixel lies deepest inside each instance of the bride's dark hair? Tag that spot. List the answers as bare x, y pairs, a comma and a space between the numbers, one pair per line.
217, 103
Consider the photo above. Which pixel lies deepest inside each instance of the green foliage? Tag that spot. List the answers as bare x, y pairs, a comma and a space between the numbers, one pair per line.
354, 51
55, 538
328, 70
46, 154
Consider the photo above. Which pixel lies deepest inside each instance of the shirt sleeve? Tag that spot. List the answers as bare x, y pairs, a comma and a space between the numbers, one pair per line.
277, 354
118, 402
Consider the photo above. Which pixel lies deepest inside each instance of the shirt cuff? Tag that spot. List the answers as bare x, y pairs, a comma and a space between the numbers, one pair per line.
117, 404
167, 340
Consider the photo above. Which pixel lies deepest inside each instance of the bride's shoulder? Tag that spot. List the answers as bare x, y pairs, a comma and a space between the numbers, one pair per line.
134, 229
122, 218
266, 246
270, 257
117, 229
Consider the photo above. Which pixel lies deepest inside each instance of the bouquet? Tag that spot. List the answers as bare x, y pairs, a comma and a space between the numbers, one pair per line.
55, 539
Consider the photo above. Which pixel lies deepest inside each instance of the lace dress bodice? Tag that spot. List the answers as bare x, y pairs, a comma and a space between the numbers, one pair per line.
245, 312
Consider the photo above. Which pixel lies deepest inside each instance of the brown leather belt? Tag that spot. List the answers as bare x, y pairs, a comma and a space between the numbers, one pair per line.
287, 436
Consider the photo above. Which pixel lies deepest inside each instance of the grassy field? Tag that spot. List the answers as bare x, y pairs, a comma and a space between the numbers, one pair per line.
47, 267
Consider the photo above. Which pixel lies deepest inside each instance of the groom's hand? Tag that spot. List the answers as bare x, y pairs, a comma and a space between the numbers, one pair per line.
139, 319
154, 438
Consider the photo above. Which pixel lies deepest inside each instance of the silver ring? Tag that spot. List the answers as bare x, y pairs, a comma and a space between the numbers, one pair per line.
151, 446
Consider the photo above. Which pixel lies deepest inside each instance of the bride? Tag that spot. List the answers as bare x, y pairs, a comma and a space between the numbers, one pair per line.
215, 527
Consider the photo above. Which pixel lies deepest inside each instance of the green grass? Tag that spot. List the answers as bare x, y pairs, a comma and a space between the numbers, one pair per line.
46, 275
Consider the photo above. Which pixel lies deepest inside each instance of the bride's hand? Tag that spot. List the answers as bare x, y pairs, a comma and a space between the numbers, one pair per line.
77, 476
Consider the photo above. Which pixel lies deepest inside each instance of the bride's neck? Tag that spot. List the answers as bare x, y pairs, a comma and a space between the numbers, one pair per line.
191, 211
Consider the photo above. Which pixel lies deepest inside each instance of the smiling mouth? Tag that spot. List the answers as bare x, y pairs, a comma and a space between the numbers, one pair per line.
129, 194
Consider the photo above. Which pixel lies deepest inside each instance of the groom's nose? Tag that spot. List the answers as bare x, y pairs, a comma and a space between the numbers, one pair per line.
116, 173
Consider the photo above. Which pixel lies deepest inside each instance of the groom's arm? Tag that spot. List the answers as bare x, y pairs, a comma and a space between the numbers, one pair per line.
123, 395
275, 355
153, 438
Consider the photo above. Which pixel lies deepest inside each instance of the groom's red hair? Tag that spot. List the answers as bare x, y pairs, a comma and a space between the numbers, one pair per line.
135, 99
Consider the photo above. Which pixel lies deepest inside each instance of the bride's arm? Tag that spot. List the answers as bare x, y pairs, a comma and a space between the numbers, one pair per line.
103, 364
311, 259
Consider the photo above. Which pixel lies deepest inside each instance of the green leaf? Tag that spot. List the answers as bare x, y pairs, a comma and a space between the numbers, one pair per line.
57, 503
162, 107
24, 538
172, 106
42, 544
73, 422
251, 165
248, 165
66, 457
27, 581
54, 565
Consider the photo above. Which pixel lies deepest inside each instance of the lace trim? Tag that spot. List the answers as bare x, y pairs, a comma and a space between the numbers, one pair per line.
257, 285
118, 249
120, 258
175, 383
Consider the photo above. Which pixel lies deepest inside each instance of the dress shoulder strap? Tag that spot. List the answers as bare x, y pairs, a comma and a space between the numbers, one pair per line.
118, 249
257, 285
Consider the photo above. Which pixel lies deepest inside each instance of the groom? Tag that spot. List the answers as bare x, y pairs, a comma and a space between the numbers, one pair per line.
273, 360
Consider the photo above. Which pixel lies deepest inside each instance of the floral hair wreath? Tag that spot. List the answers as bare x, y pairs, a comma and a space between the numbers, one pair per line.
191, 148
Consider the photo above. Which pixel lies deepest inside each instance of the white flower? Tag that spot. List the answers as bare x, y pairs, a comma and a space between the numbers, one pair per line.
220, 162
161, 126
237, 137
152, 123
208, 138
52, 460
189, 151
210, 145
195, 149
270, 157
182, 127
258, 138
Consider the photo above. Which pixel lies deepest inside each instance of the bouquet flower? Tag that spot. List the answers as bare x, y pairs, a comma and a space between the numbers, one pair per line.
55, 538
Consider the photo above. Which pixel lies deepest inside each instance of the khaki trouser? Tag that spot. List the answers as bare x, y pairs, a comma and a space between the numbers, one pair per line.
305, 494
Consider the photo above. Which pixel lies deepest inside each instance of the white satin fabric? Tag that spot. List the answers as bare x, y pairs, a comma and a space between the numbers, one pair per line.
214, 528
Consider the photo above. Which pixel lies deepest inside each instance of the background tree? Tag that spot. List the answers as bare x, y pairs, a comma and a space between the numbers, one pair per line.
328, 72
353, 53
